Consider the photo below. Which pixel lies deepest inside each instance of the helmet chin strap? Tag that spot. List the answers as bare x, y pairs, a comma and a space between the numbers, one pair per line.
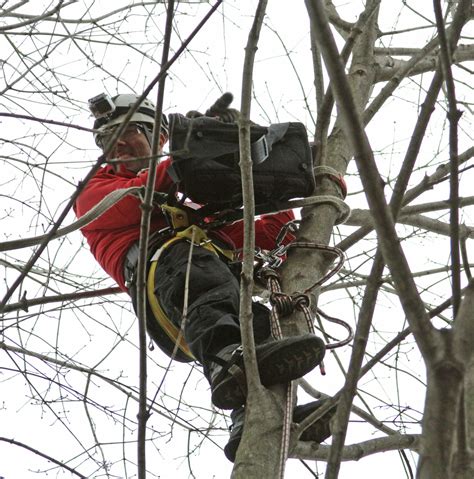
147, 133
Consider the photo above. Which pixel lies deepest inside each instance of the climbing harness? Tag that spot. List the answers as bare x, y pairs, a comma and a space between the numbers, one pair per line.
180, 228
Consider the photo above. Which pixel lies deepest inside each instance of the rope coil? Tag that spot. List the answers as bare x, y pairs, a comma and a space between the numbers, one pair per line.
284, 304
338, 178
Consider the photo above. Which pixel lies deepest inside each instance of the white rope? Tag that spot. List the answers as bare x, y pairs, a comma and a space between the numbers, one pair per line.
98, 210
326, 170
342, 207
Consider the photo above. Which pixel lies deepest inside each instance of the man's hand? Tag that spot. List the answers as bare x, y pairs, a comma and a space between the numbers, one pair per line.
220, 110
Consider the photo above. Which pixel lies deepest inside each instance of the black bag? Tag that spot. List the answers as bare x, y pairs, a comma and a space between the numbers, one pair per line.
205, 161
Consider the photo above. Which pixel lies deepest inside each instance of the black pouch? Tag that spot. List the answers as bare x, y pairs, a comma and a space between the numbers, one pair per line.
205, 161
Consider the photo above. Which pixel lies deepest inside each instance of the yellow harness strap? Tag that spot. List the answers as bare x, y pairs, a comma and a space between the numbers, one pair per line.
178, 217
200, 239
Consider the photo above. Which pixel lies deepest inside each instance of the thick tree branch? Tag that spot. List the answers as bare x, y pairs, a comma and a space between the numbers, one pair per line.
246, 285
388, 239
355, 452
463, 329
255, 456
392, 67
363, 218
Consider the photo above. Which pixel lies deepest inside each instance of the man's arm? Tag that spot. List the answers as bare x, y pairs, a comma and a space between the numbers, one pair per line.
127, 211
266, 230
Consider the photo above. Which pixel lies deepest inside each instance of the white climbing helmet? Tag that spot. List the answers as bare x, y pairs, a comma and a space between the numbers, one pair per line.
110, 112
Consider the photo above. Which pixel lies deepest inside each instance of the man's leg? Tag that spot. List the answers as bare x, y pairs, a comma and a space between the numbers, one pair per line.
212, 327
213, 298
317, 432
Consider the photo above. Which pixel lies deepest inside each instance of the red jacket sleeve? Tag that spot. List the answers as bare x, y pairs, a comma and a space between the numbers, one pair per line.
127, 211
266, 230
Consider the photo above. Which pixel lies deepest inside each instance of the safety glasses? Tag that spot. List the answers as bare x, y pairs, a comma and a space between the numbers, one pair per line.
130, 133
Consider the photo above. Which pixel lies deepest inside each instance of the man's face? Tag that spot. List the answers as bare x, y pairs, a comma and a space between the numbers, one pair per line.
132, 145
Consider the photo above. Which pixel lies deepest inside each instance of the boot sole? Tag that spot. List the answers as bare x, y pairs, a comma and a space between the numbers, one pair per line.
290, 361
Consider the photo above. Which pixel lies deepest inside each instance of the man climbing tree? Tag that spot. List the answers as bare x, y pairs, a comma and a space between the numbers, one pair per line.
210, 334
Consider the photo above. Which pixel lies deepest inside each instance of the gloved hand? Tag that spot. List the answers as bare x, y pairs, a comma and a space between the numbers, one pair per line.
220, 110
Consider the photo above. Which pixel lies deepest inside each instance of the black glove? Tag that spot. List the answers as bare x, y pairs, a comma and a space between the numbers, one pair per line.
193, 114
220, 110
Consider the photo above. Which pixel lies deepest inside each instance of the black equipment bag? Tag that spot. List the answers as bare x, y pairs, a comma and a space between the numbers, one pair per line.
205, 161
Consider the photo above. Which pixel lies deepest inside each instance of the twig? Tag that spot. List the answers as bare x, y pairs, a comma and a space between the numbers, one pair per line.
25, 304
93, 427
46, 121
453, 117
93, 21
147, 209
427, 183
128, 391
184, 317
385, 279
13, 7
371, 419
36, 19
42, 454
320, 412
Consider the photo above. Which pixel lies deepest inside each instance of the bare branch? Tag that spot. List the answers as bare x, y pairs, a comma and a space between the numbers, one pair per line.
453, 116
45, 456
38, 18
355, 452
25, 304
46, 121
391, 67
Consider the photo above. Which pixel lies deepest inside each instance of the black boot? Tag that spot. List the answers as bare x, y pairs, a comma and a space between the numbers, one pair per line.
317, 432
279, 362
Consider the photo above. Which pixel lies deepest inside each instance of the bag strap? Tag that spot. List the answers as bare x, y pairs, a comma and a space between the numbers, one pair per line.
260, 149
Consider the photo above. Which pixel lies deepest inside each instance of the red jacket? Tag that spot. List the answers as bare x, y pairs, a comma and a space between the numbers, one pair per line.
111, 235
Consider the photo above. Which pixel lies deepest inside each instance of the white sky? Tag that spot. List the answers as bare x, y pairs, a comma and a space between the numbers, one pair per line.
87, 335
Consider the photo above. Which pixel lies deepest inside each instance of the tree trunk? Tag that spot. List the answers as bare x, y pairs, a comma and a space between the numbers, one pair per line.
440, 421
